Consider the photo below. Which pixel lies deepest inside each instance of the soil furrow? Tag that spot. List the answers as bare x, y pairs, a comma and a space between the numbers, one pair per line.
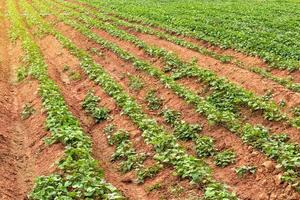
246, 154
241, 77
25, 155
247, 61
74, 93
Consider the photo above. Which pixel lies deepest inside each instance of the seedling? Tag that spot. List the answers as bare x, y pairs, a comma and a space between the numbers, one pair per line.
225, 158
27, 111
154, 187
148, 172
75, 76
66, 68
135, 83
90, 105
153, 101
22, 73
243, 170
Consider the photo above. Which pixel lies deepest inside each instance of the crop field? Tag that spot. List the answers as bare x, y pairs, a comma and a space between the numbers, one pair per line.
149, 100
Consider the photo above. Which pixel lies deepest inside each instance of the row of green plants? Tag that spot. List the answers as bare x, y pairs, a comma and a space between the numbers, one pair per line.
286, 82
125, 151
128, 155
78, 175
204, 145
167, 149
226, 90
286, 153
182, 130
276, 46
235, 96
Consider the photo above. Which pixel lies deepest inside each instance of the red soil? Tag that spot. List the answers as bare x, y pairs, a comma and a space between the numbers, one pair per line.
24, 155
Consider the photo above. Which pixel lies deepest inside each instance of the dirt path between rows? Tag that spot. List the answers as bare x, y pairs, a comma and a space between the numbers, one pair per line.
9, 142
23, 154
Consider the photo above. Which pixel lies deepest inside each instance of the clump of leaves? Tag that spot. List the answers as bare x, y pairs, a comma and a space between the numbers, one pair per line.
225, 158
268, 95
296, 111
75, 76
218, 191
90, 105
22, 73
109, 129
27, 111
243, 170
282, 103
292, 177
182, 129
225, 59
171, 116
148, 172
186, 131
124, 150
153, 101
135, 83
175, 189
204, 146
154, 187
66, 68
96, 51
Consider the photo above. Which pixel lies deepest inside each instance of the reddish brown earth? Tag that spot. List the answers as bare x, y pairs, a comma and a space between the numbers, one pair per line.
24, 156
253, 187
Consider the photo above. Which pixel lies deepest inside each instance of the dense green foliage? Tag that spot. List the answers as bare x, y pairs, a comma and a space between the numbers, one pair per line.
269, 29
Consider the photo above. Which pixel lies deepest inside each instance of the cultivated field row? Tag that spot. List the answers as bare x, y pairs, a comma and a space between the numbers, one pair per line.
112, 108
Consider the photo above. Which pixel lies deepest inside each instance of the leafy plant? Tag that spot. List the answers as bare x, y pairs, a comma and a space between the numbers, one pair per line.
135, 83
182, 129
216, 191
124, 150
22, 73
153, 101
75, 76
27, 111
204, 146
296, 111
175, 189
149, 172
90, 105
243, 170
225, 158
154, 187
171, 116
